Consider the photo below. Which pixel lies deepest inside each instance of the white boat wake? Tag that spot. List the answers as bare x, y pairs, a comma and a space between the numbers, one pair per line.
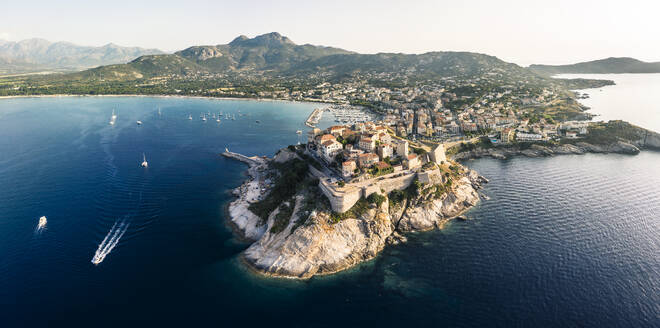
110, 241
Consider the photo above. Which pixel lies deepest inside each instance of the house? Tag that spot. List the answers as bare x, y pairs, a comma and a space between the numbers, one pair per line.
312, 134
401, 148
523, 137
330, 148
366, 144
412, 162
384, 138
571, 134
336, 130
347, 168
385, 150
326, 137
507, 135
367, 160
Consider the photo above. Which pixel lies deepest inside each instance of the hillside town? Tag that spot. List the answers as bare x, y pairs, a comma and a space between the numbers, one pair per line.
453, 109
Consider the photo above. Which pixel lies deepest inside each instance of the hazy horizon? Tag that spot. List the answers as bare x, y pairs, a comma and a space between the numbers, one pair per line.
522, 32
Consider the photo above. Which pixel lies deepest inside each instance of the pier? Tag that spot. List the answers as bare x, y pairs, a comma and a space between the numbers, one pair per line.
314, 117
254, 160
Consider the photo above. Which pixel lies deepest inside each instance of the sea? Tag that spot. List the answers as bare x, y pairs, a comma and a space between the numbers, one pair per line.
633, 98
569, 241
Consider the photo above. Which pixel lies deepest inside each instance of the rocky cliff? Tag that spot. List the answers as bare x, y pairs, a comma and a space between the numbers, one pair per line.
323, 244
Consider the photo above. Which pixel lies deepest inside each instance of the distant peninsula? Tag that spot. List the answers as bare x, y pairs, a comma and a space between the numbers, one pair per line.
612, 65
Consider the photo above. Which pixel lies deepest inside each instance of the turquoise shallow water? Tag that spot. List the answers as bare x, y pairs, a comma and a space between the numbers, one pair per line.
564, 241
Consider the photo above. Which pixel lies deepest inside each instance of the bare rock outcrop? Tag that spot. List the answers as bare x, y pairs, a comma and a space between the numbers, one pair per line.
320, 245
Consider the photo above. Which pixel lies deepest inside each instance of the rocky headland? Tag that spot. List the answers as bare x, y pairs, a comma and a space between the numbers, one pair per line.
303, 237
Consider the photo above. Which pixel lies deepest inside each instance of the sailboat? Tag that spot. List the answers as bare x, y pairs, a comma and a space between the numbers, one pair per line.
144, 161
234, 118
113, 118
158, 111
204, 118
190, 117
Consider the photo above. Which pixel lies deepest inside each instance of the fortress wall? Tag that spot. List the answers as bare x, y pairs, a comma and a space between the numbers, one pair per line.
430, 177
370, 189
399, 183
340, 201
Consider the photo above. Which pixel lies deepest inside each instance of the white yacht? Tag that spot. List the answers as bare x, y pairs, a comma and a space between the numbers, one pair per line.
113, 118
190, 117
144, 161
139, 122
42, 223
204, 118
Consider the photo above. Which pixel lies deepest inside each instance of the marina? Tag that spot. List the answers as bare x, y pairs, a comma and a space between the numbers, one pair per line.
347, 114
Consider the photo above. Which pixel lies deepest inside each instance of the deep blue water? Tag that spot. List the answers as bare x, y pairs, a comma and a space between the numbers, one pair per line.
566, 241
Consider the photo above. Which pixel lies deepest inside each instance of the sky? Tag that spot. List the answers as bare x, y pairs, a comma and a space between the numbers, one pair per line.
519, 31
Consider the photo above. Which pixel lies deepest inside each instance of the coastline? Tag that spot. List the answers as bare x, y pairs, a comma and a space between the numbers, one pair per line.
169, 96
320, 247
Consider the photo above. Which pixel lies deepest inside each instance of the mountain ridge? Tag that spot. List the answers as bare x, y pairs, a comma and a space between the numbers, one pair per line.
272, 55
37, 54
610, 65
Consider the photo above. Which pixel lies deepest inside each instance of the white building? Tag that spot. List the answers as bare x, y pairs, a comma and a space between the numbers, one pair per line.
384, 151
330, 148
523, 137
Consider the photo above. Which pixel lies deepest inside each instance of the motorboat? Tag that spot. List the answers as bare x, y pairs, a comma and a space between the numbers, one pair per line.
144, 161
42, 223
113, 118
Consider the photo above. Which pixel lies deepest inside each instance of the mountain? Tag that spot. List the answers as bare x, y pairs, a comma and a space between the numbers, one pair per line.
270, 51
272, 63
39, 54
274, 55
612, 65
